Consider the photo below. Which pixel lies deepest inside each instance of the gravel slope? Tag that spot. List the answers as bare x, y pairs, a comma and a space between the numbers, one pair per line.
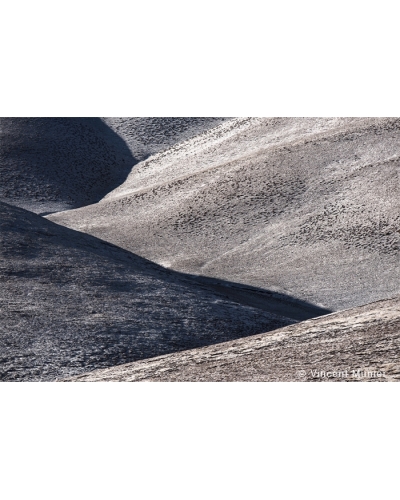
70, 303
361, 344
305, 206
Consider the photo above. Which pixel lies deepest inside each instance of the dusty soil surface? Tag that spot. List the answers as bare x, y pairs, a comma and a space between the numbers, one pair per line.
307, 207
71, 303
360, 344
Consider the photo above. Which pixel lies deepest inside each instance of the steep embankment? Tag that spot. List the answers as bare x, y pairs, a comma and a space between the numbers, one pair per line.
308, 207
361, 344
70, 303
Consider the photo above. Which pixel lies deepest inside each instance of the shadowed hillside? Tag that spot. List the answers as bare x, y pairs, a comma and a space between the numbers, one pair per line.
357, 345
50, 164
53, 164
71, 303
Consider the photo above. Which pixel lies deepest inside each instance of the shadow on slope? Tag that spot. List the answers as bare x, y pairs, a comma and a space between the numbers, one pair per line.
358, 345
147, 136
53, 164
260, 298
72, 303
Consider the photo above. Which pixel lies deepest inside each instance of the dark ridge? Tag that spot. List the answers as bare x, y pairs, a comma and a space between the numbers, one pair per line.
266, 300
72, 303
53, 164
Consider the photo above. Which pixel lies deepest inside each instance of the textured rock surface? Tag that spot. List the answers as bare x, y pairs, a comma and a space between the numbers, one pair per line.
70, 303
309, 207
361, 344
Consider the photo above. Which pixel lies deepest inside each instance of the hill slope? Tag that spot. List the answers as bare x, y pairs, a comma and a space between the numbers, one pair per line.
361, 344
305, 206
52, 164
148, 136
71, 303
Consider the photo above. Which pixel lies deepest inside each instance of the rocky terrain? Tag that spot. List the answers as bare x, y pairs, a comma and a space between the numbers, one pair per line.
71, 303
307, 207
356, 345
52, 164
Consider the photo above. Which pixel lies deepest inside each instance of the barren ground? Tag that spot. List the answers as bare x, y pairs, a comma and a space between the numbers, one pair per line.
171, 234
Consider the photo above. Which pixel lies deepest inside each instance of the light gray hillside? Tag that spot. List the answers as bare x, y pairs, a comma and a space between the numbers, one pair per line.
361, 344
305, 206
70, 303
